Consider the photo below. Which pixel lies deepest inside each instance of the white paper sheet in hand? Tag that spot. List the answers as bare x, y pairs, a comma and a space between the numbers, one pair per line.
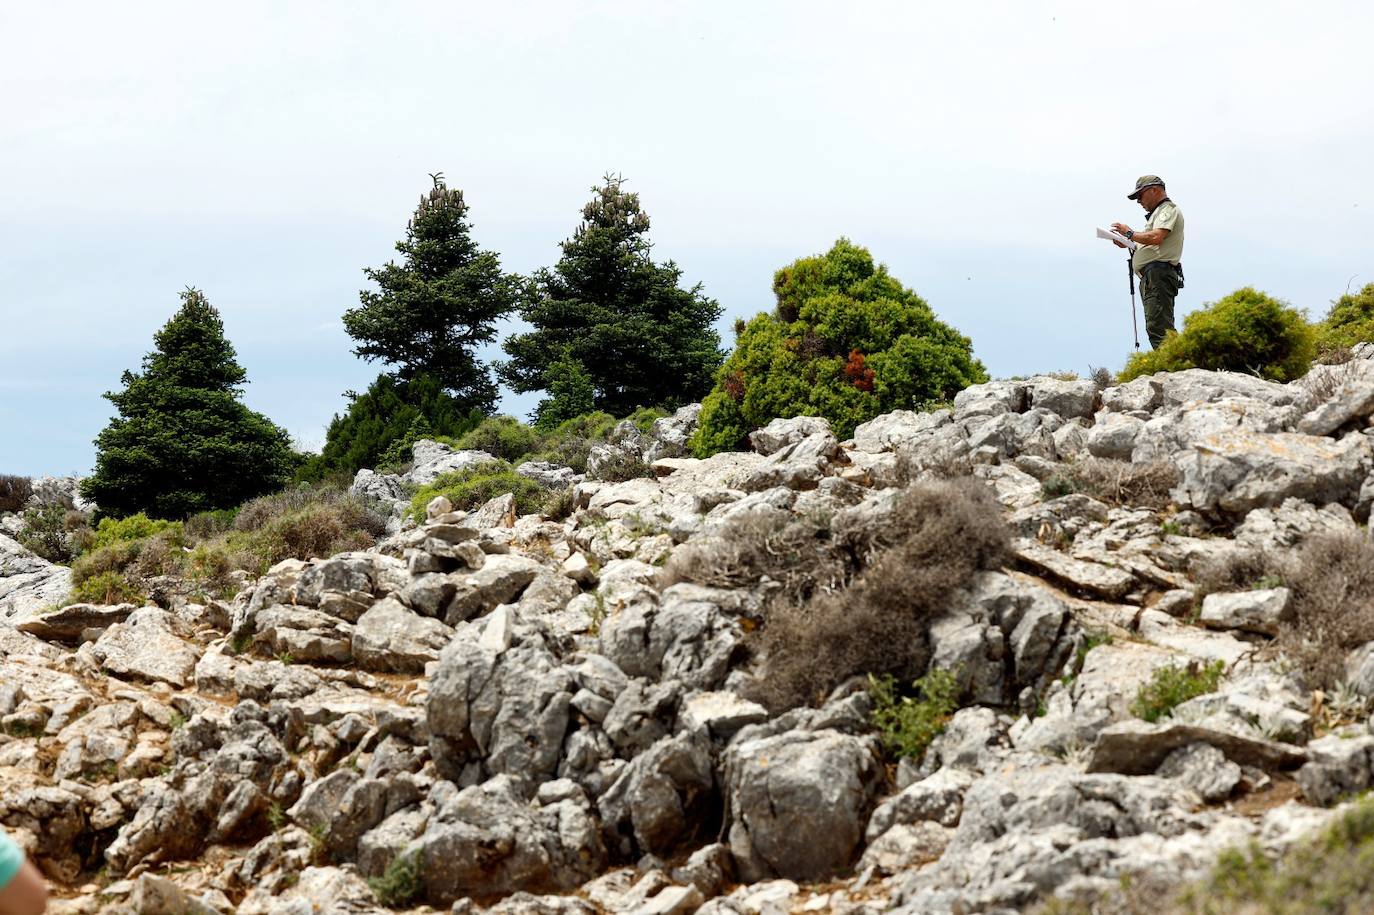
1116, 236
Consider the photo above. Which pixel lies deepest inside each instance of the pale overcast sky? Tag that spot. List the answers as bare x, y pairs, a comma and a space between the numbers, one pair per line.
267, 152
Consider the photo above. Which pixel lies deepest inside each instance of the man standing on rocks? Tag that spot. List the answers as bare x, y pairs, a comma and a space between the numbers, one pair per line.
1157, 255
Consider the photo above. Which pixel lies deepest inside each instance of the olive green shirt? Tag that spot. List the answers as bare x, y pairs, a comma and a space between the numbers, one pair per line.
1165, 216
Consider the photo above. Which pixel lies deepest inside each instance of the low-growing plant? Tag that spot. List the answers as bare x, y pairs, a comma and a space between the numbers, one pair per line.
1123, 483
46, 533
1349, 322
471, 488
621, 466
504, 437
907, 724
1247, 331
14, 492
860, 604
561, 504
106, 588
400, 884
134, 527
1172, 685
1330, 579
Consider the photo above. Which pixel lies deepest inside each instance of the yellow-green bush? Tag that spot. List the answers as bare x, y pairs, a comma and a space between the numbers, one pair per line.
1350, 321
106, 588
504, 437
133, 527
470, 489
1247, 331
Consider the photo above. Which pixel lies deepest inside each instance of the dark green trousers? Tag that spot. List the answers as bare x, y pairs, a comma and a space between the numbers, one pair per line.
1159, 285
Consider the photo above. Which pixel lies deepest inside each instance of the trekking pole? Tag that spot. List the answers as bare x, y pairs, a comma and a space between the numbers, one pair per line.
1135, 327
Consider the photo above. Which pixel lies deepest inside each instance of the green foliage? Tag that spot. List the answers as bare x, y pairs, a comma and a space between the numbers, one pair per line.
645, 417
504, 437
1247, 331
47, 533
438, 305
384, 422
571, 441
134, 527
106, 588
1173, 685
572, 392
471, 488
1350, 321
183, 441
608, 318
400, 885
847, 341
908, 723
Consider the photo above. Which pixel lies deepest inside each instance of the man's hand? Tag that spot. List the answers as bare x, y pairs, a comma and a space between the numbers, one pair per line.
1120, 227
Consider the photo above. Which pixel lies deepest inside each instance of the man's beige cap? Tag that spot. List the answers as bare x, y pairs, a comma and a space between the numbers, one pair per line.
1143, 182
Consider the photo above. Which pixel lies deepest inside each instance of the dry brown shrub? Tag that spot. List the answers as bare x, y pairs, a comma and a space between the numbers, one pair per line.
350, 510
796, 552
1125, 483
1321, 383
14, 492
937, 535
1331, 579
1240, 569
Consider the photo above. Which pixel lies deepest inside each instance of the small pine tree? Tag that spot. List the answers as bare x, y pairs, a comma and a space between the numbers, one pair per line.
434, 309
183, 441
608, 310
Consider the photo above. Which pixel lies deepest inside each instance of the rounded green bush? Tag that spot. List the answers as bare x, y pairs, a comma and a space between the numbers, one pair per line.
133, 527
1247, 331
504, 437
847, 341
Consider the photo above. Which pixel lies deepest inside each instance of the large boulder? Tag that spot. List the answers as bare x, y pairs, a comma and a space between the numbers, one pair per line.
391, 637
689, 633
502, 710
662, 798
1232, 473
148, 646
488, 841
799, 801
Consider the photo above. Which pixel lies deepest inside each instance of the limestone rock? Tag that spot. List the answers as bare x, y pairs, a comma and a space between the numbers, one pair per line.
145, 646
798, 802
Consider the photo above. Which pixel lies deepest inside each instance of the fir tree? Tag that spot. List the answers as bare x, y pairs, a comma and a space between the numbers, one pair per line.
183, 441
606, 312
432, 310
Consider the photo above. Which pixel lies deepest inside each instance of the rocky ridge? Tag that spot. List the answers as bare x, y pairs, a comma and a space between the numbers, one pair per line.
514, 714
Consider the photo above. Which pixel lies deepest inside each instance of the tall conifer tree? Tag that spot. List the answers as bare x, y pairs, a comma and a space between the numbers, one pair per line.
608, 314
431, 311
184, 441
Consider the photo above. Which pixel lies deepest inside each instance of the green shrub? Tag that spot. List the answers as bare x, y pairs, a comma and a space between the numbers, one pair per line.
1248, 331
907, 724
847, 341
134, 527
47, 533
1350, 321
470, 489
1172, 685
14, 492
400, 885
570, 443
106, 588
645, 417
504, 437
